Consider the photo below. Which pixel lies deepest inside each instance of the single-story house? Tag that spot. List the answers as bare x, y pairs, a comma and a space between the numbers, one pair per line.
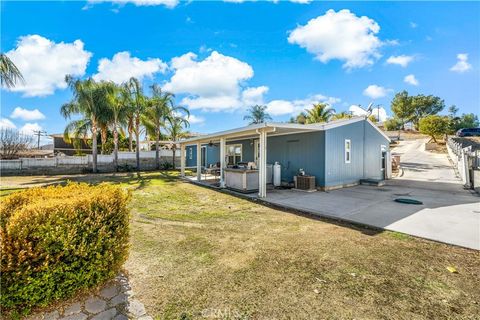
338, 153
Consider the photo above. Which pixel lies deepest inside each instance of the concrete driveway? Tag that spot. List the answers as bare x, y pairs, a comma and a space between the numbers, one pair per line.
449, 213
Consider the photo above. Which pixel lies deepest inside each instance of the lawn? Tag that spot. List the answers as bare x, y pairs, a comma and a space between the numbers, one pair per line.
199, 253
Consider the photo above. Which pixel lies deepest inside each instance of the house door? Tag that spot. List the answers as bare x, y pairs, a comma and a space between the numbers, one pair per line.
204, 156
384, 162
292, 160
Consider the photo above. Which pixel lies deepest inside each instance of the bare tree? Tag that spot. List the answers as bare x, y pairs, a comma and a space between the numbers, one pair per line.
12, 142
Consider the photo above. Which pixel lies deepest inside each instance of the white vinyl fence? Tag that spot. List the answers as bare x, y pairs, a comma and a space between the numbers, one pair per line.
82, 161
465, 161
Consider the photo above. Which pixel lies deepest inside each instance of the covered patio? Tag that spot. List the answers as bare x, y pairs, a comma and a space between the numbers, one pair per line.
256, 131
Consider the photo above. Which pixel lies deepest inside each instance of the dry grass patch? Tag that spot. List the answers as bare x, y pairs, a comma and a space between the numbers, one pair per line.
196, 252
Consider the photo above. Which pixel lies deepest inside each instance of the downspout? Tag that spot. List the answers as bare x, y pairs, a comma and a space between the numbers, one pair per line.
364, 133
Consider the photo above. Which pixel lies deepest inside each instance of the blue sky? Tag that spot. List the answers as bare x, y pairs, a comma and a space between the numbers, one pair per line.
220, 57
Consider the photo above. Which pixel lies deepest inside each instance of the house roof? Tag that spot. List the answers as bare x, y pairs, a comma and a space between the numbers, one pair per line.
277, 129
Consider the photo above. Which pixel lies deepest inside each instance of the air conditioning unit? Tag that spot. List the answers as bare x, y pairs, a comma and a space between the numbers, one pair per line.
306, 183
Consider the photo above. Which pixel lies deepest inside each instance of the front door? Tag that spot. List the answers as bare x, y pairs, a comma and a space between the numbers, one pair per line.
293, 160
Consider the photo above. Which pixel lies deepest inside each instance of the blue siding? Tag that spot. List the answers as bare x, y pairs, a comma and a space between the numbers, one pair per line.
365, 154
299, 151
320, 153
337, 171
373, 156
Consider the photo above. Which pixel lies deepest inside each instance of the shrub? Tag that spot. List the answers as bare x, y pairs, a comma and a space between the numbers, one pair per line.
393, 124
165, 165
434, 126
58, 240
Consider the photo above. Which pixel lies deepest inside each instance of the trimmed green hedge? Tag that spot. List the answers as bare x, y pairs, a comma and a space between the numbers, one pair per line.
58, 240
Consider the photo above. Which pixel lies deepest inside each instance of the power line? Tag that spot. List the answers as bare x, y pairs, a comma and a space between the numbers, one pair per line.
39, 133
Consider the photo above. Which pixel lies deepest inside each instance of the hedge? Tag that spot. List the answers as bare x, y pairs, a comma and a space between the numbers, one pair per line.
58, 240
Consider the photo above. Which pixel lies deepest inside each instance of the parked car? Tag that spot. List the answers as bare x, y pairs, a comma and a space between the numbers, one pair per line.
468, 132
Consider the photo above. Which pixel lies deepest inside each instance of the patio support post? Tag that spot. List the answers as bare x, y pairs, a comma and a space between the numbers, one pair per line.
222, 162
262, 173
182, 160
199, 162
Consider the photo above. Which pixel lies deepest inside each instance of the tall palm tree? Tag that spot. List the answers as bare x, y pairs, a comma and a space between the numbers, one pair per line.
87, 101
175, 132
257, 114
9, 73
158, 110
321, 112
138, 107
118, 100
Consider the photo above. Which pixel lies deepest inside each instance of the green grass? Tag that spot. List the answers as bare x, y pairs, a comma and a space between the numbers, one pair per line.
197, 252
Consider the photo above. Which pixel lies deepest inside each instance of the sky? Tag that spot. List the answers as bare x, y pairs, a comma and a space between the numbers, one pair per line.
220, 57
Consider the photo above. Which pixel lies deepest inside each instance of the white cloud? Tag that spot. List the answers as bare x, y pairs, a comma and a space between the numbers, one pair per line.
193, 119
462, 64
373, 91
379, 112
401, 60
410, 79
7, 124
44, 64
213, 84
27, 115
254, 95
138, 3
30, 128
340, 35
122, 67
282, 107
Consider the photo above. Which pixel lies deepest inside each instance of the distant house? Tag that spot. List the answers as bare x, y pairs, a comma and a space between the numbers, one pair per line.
60, 146
338, 153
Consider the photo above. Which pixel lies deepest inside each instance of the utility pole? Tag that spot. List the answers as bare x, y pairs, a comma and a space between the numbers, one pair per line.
39, 133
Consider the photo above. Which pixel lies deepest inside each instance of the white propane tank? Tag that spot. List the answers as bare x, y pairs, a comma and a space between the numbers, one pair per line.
277, 174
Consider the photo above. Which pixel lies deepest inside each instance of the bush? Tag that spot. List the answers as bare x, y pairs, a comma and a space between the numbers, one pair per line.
434, 126
392, 124
58, 240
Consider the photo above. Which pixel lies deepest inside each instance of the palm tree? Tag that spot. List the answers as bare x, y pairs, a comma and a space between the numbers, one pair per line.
175, 131
257, 114
88, 101
118, 102
321, 112
300, 118
9, 73
342, 115
159, 109
138, 107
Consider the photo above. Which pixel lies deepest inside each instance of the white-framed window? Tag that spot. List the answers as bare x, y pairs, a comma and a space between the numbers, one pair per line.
233, 154
190, 153
348, 150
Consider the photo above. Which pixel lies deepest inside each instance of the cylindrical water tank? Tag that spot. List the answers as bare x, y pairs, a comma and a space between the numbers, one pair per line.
277, 174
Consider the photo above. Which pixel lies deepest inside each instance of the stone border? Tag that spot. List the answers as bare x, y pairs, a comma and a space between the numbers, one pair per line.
115, 300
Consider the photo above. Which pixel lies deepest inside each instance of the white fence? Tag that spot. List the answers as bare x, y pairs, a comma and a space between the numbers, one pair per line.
81, 161
465, 161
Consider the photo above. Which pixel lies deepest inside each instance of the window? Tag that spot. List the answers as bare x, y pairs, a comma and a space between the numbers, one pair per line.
190, 153
348, 149
234, 154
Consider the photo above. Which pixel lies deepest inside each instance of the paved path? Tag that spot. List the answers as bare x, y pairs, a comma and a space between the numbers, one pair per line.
421, 165
449, 213
115, 301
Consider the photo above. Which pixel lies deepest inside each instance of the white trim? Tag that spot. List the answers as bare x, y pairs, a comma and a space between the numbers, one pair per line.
348, 150
235, 145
